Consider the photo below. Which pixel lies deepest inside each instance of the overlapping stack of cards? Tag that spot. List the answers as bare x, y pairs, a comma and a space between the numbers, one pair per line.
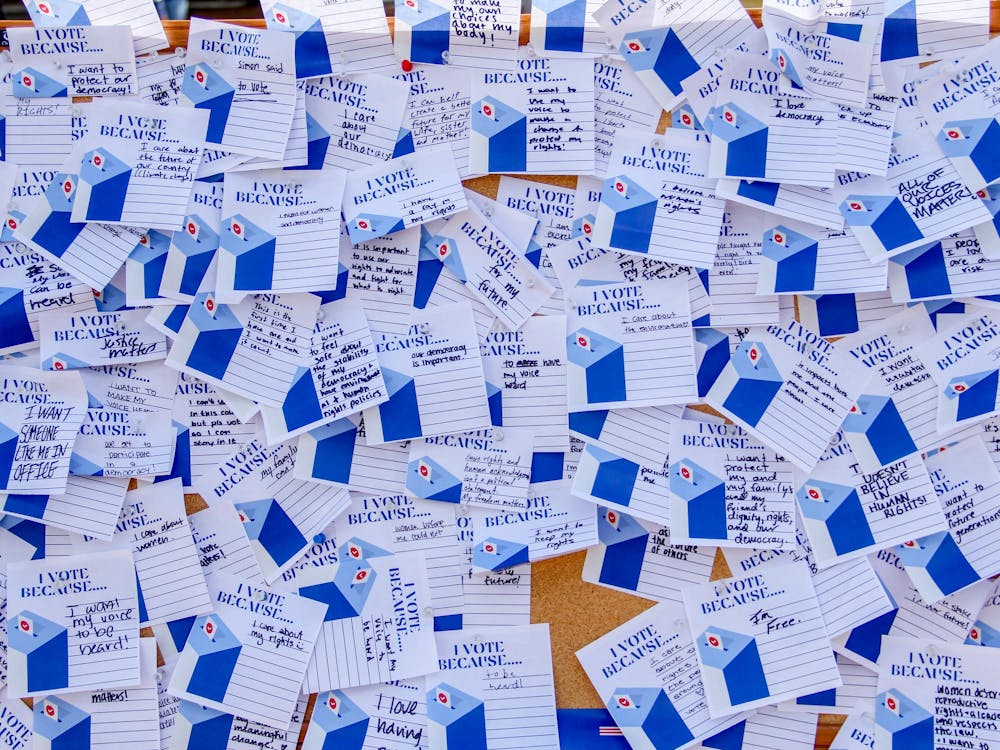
249, 270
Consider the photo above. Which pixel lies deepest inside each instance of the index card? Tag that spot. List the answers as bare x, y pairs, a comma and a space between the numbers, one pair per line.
260, 361
866, 133
493, 683
160, 77
250, 655
753, 651
147, 31
482, 34
621, 103
238, 732
221, 545
401, 193
646, 672
381, 275
245, 79
392, 715
566, 28
809, 204
74, 61
40, 133
927, 29
728, 488
189, 266
74, 624
144, 387
641, 558
69, 341
790, 389
438, 109
537, 118
88, 505
607, 479
859, 687
112, 443
857, 732
985, 631
955, 266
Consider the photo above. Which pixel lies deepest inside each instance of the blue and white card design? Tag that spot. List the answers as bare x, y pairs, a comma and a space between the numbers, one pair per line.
40, 417
567, 28
378, 622
249, 656
438, 109
221, 545
499, 598
961, 360
763, 727
29, 285
801, 258
184, 725
153, 526
848, 511
916, 31
618, 333
657, 200
526, 380
857, 732
809, 204
392, 715
760, 638
401, 193
985, 631
790, 389
866, 131
17, 721
217, 344
73, 624
778, 137
140, 388
275, 232
382, 276
554, 523
728, 488
338, 454
859, 687
954, 266
70, 342
189, 265
354, 120
895, 416
101, 497
147, 31
75, 61
245, 80
138, 164
114, 443
621, 104
474, 249
640, 435
342, 378
280, 513
615, 479
920, 199
493, 682
640, 557
930, 693
968, 488
434, 376
537, 118
488, 468
398, 523
339, 38
948, 620
646, 672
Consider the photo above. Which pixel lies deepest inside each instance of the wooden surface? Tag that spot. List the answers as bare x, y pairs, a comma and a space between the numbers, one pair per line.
577, 612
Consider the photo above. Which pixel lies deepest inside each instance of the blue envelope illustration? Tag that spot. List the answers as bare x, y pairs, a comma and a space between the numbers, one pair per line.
607, 476
112, 299
14, 326
701, 509
921, 272
936, 565
199, 727
780, 58
81, 466
358, 549
447, 252
59, 725
727, 739
588, 424
145, 265
557, 25
455, 720
866, 640
32, 506
206, 665
596, 369
494, 399
14, 217
759, 191
880, 222
660, 60
337, 723
104, 180
59, 362
876, 431
583, 226
621, 549
834, 518
48, 224
301, 405
685, 118
981, 634
29, 532
625, 215
829, 314
974, 149
970, 396
730, 665
495, 554
648, 718
987, 233
404, 144
329, 451
739, 143
191, 252
346, 595
53, 13
364, 227
206, 89
749, 383
428, 479
499, 139
213, 340
422, 29
711, 355
28, 82
247, 254
400, 415
788, 261
318, 142
902, 724
311, 55
273, 535
38, 652
428, 270
899, 31
181, 466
